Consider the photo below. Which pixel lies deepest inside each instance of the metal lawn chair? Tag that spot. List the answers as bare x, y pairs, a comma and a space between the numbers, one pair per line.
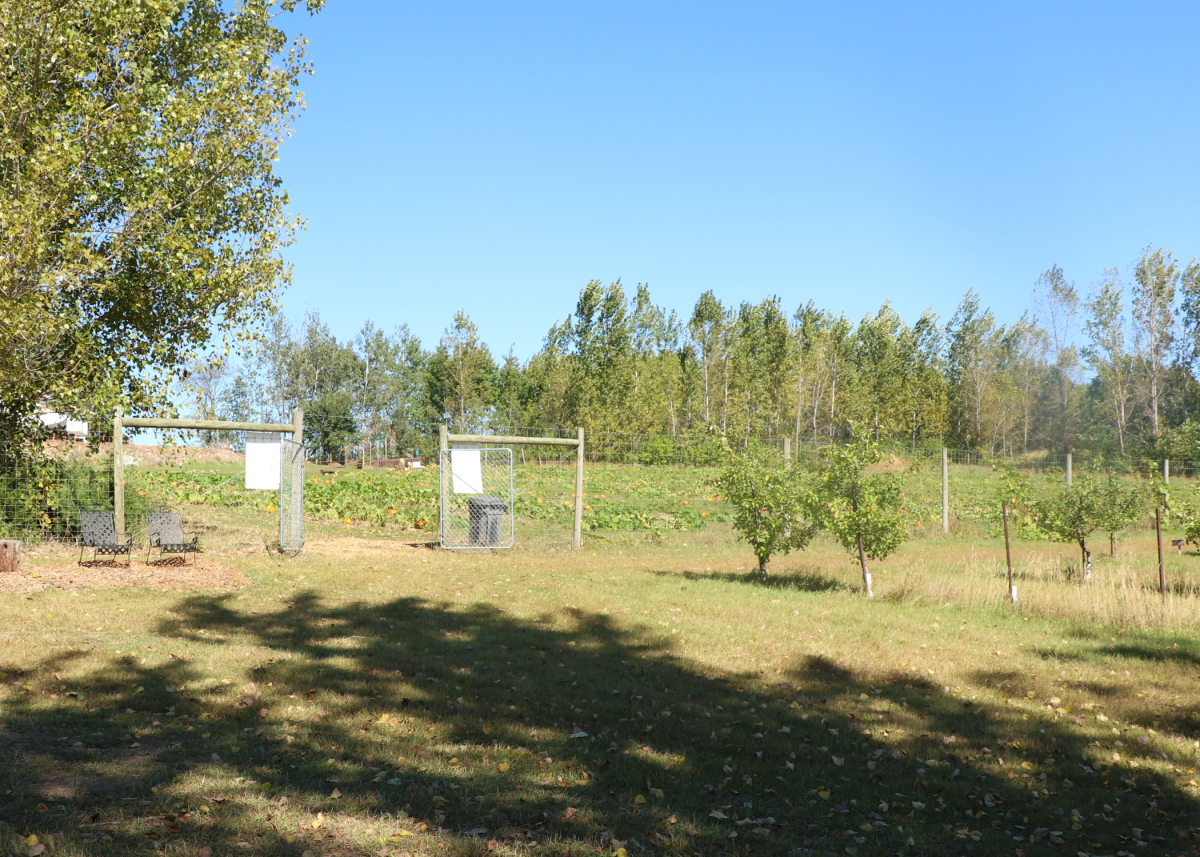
98, 531
165, 531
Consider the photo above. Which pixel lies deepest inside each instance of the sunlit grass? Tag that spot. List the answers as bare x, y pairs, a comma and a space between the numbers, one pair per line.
370, 697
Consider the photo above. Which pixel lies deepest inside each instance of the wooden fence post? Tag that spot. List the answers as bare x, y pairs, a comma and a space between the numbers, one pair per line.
1162, 578
1166, 470
577, 533
1068, 469
945, 492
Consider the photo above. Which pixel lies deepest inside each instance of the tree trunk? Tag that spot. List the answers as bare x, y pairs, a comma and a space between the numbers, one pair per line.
762, 568
1112, 544
1086, 562
10, 557
862, 560
862, 556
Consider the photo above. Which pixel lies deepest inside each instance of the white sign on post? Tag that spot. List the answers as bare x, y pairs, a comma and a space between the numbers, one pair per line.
262, 461
465, 470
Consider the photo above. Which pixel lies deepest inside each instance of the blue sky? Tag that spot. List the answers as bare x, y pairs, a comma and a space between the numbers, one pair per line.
496, 157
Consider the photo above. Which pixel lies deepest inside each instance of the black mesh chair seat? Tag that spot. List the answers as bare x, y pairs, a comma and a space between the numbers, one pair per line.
165, 530
98, 531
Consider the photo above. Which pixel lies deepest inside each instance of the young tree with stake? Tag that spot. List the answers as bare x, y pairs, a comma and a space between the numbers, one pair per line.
767, 494
861, 509
1121, 504
1072, 515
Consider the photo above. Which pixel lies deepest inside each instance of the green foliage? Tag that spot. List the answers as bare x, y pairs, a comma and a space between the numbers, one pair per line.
862, 509
1122, 503
1075, 512
767, 494
405, 499
140, 214
41, 497
462, 378
664, 449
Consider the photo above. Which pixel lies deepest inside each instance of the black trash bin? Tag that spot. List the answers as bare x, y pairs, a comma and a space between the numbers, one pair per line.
486, 521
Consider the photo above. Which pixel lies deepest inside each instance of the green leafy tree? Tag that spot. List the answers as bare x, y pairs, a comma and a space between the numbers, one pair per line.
1122, 503
1106, 351
1156, 278
709, 331
462, 377
1072, 514
140, 213
768, 495
1057, 303
861, 509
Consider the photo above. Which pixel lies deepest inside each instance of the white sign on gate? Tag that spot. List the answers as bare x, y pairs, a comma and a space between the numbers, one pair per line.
465, 470
262, 461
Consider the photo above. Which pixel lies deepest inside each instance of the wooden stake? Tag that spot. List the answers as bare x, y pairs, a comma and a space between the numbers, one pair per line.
577, 532
945, 492
1162, 579
1012, 590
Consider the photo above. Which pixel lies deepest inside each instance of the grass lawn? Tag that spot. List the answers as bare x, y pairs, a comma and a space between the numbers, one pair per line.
634, 697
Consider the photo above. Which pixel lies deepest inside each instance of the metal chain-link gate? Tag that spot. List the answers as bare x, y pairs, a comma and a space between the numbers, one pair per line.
292, 456
476, 499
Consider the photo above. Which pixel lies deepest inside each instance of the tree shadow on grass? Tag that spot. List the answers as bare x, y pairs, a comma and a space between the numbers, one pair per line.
412, 726
799, 581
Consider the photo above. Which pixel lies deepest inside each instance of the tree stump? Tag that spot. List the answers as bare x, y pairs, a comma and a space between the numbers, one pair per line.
10, 556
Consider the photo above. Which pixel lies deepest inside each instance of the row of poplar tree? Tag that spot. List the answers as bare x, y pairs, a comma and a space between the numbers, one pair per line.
1110, 368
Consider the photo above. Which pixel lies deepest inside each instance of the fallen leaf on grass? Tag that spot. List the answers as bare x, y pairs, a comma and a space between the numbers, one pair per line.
206, 851
640, 799
570, 813
335, 793
503, 767
716, 813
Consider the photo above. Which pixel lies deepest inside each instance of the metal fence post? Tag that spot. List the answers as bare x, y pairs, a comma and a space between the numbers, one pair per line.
118, 470
443, 466
1068, 469
1166, 470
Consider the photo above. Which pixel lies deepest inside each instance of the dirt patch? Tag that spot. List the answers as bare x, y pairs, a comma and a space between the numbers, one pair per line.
169, 576
348, 546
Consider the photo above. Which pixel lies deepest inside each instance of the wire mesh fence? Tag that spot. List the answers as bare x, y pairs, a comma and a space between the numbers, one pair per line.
476, 507
43, 494
292, 457
634, 486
